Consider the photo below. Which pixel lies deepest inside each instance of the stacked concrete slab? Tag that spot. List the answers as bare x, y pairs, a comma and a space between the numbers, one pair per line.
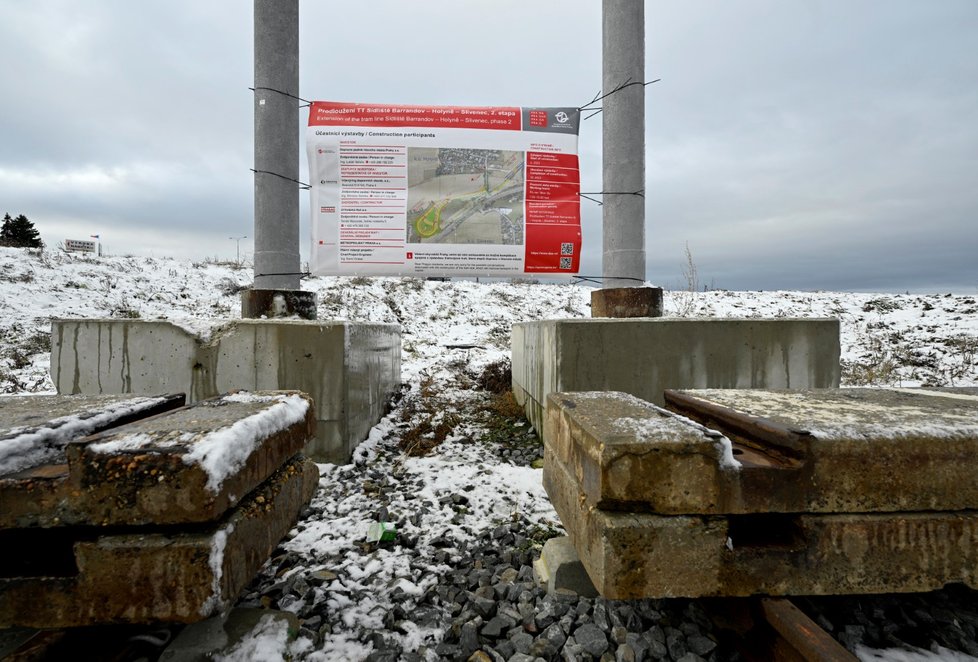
349, 369
645, 356
743, 492
121, 509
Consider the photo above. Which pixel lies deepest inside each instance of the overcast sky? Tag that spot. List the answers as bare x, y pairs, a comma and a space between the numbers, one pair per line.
793, 144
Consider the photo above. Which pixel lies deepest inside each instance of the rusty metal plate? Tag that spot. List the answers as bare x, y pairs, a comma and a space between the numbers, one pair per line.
188, 465
131, 577
642, 555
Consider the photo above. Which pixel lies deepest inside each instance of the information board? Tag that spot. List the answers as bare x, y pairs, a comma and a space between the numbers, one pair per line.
82, 245
443, 190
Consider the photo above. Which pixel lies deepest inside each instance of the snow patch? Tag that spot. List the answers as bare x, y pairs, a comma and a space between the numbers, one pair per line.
268, 641
215, 560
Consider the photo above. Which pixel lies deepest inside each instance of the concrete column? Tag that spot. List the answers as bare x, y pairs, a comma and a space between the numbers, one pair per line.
276, 144
623, 139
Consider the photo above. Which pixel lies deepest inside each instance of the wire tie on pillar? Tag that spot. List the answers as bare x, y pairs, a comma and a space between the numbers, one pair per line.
640, 193
306, 103
600, 278
598, 97
302, 185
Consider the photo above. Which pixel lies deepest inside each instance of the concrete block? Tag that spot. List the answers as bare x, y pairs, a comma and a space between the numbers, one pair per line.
644, 357
131, 577
349, 369
627, 454
150, 470
278, 303
626, 302
559, 567
641, 555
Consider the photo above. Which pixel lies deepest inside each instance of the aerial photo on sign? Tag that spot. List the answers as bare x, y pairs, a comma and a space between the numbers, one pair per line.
465, 196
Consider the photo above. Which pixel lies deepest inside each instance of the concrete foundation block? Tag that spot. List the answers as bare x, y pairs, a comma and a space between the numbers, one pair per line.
559, 567
627, 302
278, 303
349, 369
644, 357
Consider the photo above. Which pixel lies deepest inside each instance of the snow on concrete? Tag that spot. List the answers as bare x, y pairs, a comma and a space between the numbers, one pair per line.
841, 418
223, 452
215, 561
25, 447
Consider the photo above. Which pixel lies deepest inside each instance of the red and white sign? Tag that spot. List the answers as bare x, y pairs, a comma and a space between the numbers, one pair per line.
443, 190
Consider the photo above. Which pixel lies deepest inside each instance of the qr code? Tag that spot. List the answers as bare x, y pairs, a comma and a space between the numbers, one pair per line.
567, 248
565, 263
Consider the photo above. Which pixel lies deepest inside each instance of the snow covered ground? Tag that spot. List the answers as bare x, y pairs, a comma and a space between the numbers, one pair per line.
474, 489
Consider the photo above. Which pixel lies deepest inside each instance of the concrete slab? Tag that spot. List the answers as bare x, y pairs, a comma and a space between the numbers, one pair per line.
639, 555
627, 454
349, 369
842, 450
187, 465
34, 429
133, 577
644, 357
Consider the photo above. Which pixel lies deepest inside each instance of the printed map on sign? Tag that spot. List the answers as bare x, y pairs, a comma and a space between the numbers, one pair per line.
443, 190
465, 196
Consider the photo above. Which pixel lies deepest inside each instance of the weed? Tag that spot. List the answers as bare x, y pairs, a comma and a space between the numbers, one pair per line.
429, 419
881, 305
229, 287
427, 434
685, 299
497, 377
412, 284
332, 299
877, 367
124, 309
21, 352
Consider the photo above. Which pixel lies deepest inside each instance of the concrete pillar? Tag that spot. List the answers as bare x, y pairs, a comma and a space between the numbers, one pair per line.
623, 139
276, 144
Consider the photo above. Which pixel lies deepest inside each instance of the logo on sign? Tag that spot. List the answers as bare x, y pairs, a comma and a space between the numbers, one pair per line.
561, 117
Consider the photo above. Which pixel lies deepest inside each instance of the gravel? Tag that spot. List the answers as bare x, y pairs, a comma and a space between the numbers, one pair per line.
457, 582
